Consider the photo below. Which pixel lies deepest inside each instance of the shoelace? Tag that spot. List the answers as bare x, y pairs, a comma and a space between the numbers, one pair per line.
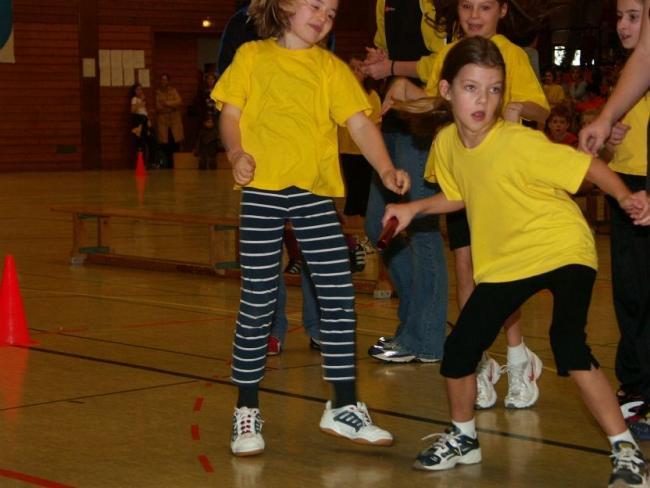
626, 458
444, 438
246, 422
364, 414
515, 377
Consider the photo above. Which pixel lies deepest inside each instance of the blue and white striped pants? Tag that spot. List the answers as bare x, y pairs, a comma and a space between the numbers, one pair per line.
262, 217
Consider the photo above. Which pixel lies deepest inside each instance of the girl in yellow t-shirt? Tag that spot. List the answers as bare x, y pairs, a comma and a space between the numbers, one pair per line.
281, 101
630, 247
528, 235
523, 97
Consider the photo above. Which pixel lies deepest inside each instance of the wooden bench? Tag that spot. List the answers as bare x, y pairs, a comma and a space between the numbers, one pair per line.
92, 232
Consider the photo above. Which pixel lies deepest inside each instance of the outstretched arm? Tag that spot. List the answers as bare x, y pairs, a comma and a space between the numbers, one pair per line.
636, 205
633, 83
367, 136
405, 212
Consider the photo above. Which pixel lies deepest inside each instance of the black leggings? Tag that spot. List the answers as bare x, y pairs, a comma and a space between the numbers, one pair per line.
492, 303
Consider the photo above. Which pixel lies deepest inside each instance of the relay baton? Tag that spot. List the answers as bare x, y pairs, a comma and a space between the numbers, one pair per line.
387, 233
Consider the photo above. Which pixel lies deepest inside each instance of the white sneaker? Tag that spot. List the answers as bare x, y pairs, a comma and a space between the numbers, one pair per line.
522, 382
353, 422
247, 437
487, 375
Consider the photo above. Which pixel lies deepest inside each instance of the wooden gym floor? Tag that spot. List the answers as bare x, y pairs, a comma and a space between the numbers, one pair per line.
127, 385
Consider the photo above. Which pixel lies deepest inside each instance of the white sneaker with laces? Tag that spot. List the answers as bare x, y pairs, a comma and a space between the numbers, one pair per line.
353, 422
522, 382
629, 466
247, 437
487, 375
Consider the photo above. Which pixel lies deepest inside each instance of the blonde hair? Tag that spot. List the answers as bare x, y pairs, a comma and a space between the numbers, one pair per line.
271, 17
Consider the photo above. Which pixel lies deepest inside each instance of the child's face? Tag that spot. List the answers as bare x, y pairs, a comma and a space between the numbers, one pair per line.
557, 127
311, 22
480, 17
549, 79
475, 95
628, 25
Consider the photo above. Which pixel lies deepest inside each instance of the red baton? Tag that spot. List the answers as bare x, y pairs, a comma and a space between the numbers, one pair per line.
387, 233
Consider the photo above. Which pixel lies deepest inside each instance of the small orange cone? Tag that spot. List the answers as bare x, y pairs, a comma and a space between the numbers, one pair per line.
140, 186
140, 169
13, 326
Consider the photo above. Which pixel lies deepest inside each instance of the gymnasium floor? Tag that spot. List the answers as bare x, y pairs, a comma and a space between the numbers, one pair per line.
127, 385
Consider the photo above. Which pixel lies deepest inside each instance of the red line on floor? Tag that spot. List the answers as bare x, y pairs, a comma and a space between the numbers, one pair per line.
205, 462
198, 403
196, 436
33, 480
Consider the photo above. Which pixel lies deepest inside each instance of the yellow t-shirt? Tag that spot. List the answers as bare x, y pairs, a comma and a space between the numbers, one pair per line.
291, 102
630, 156
522, 84
433, 40
346, 144
515, 186
554, 94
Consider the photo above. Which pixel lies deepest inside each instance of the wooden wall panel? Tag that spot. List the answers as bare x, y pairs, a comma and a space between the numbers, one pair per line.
118, 148
39, 95
167, 15
40, 127
176, 55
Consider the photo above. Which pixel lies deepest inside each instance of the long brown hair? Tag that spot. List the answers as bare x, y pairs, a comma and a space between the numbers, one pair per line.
428, 115
271, 17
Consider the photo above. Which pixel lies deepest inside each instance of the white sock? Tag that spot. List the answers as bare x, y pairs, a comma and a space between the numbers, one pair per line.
517, 354
467, 428
623, 436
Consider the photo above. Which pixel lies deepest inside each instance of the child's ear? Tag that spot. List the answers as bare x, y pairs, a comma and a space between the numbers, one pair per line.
444, 88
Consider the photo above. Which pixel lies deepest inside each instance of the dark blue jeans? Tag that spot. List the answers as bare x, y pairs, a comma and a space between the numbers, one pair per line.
416, 265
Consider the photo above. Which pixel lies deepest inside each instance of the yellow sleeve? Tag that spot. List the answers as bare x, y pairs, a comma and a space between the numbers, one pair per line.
375, 103
347, 96
433, 40
233, 85
525, 86
380, 35
433, 77
424, 67
440, 164
556, 165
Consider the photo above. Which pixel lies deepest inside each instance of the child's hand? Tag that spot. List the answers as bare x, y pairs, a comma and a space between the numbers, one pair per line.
513, 110
637, 205
618, 133
243, 167
374, 55
396, 180
396, 93
402, 212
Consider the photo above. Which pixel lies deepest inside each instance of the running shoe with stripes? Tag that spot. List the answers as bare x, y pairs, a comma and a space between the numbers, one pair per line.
246, 439
450, 448
629, 467
487, 375
353, 422
522, 382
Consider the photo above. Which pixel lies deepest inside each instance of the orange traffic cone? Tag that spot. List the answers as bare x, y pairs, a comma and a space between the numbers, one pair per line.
140, 186
140, 169
13, 326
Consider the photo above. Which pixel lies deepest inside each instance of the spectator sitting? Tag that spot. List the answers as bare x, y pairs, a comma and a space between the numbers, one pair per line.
557, 126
